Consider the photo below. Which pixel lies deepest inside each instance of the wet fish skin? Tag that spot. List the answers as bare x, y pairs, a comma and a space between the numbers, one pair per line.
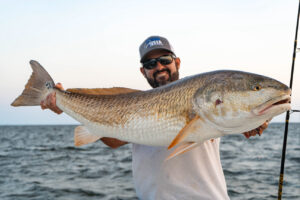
222, 101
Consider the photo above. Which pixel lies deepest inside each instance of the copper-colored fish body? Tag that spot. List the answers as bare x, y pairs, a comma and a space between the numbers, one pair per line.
192, 109
163, 111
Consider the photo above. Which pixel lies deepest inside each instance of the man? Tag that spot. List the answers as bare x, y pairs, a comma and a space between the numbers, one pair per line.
196, 174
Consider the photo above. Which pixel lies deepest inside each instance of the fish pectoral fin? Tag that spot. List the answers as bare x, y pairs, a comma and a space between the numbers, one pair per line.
182, 149
82, 136
185, 131
102, 91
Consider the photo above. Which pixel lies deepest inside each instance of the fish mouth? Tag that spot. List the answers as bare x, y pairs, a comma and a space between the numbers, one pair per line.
282, 101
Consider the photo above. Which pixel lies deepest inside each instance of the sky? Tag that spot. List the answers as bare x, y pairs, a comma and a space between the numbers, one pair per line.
92, 44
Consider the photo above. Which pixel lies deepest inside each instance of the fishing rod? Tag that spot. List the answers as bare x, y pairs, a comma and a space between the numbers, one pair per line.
287, 118
292, 111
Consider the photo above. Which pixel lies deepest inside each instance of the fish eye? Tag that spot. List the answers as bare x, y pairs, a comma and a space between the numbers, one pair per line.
257, 88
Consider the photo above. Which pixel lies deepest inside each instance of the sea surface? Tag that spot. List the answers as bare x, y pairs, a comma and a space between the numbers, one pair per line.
41, 162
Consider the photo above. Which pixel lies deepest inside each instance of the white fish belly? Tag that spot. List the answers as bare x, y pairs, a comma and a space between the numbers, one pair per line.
145, 130
148, 131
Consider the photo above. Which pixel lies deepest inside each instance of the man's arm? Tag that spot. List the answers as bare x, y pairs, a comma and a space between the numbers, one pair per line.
50, 103
112, 142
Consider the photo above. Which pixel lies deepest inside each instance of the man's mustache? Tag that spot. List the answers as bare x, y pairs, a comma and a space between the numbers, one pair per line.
163, 70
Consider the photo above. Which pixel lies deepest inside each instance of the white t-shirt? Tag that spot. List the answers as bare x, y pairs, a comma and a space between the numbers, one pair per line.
196, 174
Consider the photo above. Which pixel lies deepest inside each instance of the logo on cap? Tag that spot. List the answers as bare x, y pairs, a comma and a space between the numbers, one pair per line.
155, 41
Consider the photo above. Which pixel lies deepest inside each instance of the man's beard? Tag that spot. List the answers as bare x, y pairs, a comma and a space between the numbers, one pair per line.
172, 77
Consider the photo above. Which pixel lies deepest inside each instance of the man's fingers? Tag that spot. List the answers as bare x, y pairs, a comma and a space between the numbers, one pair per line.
53, 100
247, 135
259, 131
48, 102
254, 132
251, 133
265, 125
57, 110
43, 105
59, 86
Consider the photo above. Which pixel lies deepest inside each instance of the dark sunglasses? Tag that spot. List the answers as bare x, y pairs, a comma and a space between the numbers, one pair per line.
164, 60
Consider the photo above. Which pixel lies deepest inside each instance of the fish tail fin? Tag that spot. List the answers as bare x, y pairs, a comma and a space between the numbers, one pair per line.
37, 88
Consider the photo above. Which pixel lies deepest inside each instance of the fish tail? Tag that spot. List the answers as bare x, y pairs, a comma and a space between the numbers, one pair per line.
39, 85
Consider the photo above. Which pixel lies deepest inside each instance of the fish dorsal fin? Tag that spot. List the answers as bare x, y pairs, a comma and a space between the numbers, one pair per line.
102, 91
185, 131
182, 149
82, 136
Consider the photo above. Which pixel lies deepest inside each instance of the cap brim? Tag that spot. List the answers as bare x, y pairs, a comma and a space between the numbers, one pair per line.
142, 59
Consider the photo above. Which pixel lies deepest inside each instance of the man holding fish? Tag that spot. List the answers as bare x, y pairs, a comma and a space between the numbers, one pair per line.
196, 174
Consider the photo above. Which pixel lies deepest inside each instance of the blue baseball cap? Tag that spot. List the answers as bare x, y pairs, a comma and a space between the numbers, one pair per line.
153, 43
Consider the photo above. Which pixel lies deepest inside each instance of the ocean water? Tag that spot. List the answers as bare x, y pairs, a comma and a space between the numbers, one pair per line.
41, 162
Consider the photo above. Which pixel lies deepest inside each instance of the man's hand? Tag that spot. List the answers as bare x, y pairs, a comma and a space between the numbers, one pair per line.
258, 130
50, 101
